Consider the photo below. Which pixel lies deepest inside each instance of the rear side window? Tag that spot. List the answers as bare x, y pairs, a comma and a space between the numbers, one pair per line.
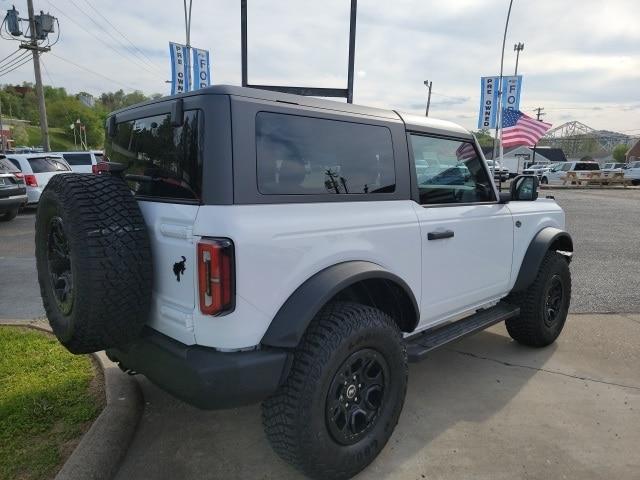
77, 158
305, 155
163, 161
46, 165
16, 163
7, 167
99, 157
583, 166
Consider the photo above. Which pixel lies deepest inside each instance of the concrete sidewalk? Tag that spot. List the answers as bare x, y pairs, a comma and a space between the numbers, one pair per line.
484, 408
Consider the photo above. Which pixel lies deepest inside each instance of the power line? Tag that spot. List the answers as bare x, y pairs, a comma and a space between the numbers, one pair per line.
10, 55
92, 71
46, 70
15, 61
26, 60
100, 26
100, 39
122, 34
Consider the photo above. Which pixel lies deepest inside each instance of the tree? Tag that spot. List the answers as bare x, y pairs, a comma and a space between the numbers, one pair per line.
484, 138
620, 153
20, 135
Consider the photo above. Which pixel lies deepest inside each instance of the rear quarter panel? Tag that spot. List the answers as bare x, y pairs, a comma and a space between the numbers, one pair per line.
279, 246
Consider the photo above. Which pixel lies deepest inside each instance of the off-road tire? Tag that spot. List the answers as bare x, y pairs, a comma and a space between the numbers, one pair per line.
294, 417
529, 328
8, 216
110, 261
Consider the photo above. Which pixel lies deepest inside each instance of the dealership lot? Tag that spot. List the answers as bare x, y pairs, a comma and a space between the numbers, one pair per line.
482, 408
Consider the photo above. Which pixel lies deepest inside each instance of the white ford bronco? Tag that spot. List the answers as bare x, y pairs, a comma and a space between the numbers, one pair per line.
244, 245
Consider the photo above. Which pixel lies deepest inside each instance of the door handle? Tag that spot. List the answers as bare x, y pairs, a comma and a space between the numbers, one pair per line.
440, 235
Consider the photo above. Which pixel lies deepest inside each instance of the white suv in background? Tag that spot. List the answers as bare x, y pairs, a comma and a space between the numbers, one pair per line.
81, 162
38, 168
582, 169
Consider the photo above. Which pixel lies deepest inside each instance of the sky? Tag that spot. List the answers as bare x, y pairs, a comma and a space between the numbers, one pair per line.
581, 59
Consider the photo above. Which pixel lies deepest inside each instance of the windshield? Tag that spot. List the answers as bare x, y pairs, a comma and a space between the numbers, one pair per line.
583, 166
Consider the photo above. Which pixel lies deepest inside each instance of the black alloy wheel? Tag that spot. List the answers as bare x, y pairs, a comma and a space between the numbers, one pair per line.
356, 396
553, 301
59, 265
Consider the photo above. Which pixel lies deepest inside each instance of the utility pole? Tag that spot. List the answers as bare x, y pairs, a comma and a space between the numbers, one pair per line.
35, 50
539, 115
428, 84
518, 47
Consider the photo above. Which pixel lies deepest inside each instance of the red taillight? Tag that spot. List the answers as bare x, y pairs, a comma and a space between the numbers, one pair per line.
100, 167
30, 180
18, 175
215, 276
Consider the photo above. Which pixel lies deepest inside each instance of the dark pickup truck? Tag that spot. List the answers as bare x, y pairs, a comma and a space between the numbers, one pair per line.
13, 192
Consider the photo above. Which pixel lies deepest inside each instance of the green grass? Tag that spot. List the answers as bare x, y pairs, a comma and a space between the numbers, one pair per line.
47, 400
59, 142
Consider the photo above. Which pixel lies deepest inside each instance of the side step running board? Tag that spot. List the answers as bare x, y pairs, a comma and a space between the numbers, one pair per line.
423, 343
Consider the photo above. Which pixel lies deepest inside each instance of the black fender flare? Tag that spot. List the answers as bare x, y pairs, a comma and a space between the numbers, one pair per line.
549, 238
295, 315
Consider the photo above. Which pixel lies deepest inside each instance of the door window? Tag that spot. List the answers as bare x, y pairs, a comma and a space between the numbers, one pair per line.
450, 171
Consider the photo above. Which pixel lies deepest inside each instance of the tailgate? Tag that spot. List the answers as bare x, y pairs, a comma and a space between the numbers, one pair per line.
173, 248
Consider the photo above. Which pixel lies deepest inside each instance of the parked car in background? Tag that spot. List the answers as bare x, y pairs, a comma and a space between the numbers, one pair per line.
536, 169
610, 168
37, 169
99, 156
499, 170
80, 162
582, 170
632, 171
13, 192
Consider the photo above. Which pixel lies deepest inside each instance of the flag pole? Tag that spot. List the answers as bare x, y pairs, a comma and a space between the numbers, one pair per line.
499, 123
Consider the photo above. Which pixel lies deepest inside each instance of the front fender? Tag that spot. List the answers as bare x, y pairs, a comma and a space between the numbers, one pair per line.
549, 238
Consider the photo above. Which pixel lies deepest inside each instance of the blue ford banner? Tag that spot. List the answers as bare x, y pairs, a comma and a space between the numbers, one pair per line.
201, 68
511, 88
180, 81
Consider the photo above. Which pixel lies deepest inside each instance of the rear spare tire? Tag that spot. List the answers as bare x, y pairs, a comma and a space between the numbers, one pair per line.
94, 263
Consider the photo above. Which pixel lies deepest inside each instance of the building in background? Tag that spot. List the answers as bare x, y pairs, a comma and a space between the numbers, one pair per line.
634, 152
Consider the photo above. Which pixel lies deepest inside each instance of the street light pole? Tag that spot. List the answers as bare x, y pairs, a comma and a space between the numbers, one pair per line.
499, 116
428, 84
518, 47
187, 28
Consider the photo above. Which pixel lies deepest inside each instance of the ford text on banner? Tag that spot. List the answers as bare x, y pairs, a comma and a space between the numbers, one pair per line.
179, 68
201, 69
511, 87
488, 102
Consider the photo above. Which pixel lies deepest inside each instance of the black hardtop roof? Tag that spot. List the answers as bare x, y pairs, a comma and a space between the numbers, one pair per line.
412, 122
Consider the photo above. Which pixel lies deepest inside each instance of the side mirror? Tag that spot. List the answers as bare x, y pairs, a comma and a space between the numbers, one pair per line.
524, 188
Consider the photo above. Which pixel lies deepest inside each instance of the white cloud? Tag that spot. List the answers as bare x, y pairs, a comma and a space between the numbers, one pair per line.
579, 54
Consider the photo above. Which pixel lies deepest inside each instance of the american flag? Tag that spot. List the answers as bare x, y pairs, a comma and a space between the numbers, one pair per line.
520, 129
465, 152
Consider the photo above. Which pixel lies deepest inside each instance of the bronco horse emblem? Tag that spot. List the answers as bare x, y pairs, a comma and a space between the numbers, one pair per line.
179, 268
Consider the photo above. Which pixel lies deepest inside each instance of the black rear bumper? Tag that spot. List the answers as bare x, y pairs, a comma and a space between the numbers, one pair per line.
201, 376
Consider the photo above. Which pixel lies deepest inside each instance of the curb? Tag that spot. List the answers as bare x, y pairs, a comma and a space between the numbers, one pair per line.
104, 445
